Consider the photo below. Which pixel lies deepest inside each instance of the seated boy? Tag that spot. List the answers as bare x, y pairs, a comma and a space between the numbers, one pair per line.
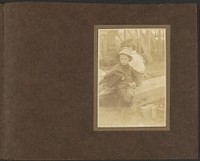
121, 81
138, 63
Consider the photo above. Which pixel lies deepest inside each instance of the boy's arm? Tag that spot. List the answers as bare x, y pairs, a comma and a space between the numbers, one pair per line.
109, 74
136, 77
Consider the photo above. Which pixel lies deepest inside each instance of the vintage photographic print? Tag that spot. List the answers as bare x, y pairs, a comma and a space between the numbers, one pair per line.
131, 77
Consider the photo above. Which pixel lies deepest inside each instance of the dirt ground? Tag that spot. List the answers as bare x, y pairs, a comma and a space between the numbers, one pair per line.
129, 117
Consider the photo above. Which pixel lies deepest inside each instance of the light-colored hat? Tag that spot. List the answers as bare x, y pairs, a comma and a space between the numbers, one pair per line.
125, 52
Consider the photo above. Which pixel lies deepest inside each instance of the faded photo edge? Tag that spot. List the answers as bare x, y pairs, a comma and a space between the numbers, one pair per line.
95, 85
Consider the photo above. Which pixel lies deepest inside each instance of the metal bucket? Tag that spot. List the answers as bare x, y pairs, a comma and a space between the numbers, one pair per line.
149, 111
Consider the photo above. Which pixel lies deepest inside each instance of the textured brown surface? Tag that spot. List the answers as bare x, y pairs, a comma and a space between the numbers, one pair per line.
49, 82
1, 81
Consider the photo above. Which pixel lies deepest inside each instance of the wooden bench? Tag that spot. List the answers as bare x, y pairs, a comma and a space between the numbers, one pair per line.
150, 91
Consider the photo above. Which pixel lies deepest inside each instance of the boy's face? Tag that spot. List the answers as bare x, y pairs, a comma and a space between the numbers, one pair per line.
124, 59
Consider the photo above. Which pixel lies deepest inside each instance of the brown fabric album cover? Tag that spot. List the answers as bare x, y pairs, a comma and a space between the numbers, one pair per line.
47, 82
1, 81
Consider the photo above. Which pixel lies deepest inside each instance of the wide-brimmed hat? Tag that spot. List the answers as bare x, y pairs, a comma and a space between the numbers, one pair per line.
125, 52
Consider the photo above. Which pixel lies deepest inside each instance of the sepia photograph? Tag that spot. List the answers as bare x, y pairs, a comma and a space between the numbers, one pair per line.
131, 77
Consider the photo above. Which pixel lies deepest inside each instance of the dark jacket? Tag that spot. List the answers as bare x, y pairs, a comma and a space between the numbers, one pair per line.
119, 75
